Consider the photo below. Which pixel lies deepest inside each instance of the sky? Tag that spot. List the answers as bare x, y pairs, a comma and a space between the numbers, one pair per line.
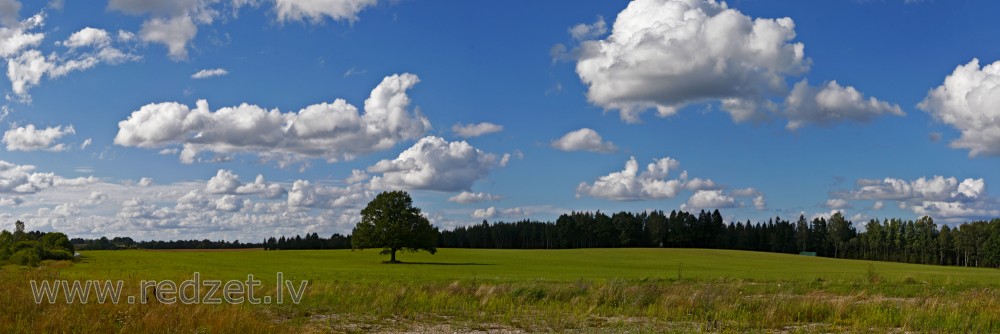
244, 119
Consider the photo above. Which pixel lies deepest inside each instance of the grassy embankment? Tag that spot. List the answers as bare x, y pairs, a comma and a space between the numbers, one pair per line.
529, 290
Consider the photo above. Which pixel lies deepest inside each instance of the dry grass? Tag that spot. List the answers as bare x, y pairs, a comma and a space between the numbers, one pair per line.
19, 313
360, 300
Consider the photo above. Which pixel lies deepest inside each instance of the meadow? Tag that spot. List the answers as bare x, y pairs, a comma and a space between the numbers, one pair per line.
473, 290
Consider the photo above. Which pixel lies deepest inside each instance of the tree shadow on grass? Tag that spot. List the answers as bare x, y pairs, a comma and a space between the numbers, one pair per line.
439, 263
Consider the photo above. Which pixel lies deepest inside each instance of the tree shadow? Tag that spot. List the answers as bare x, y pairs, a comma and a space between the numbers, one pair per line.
439, 263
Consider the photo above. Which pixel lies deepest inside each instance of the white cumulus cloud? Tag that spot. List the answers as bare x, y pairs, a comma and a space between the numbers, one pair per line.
317, 10
943, 198
333, 131
306, 194
172, 23
760, 202
664, 54
934, 188
583, 140
629, 184
655, 182
466, 197
229, 203
226, 182
837, 203
26, 70
22, 179
88, 37
27, 66
709, 199
493, 212
435, 164
29, 138
174, 33
17, 37
89, 207
831, 104
696, 184
967, 101
475, 130
667, 54
357, 176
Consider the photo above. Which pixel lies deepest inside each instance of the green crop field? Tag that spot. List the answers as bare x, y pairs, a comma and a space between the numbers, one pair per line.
502, 266
464, 290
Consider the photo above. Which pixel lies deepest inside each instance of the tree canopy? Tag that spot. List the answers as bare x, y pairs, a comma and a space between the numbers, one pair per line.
391, 222
30, 248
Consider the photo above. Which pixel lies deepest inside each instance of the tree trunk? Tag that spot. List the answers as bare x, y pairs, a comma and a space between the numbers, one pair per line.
393, 260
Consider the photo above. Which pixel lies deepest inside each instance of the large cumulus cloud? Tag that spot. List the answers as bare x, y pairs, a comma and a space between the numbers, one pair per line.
657, 182
968, 100
831, 104
629, 184
332, 131
29, 138
436, 164
666, 54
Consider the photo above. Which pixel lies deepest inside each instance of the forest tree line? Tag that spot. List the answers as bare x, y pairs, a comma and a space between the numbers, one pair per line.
310, 241
975, 244
118, 243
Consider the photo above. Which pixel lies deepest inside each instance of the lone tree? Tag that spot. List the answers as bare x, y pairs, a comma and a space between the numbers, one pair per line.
392, 223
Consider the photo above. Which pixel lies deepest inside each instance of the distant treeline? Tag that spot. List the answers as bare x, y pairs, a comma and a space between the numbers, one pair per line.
310, 241
127, 243
679, 229
970, 244
922, 241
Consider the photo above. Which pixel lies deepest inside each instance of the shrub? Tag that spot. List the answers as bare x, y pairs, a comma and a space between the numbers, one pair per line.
57, 254
26, 257
56, 240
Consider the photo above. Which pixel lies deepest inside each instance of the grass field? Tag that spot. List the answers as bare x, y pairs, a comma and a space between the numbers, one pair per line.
463, 290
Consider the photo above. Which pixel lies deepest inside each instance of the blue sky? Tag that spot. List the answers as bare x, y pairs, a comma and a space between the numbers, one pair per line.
497, 111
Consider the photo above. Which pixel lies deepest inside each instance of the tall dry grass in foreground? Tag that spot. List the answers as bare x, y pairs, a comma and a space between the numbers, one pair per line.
653, 305
20, 314
366, 297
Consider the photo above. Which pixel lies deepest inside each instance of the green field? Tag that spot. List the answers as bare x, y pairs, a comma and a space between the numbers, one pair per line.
464, 290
